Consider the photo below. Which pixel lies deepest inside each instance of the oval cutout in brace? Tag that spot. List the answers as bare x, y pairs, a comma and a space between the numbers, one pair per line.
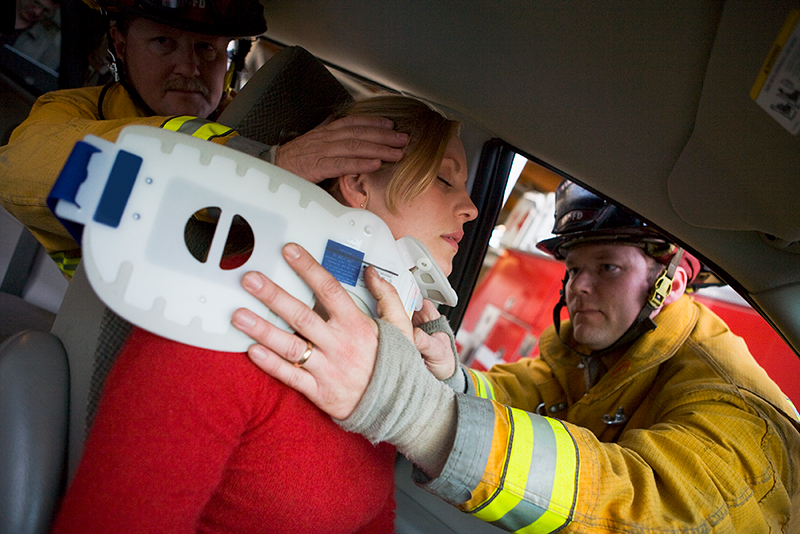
199, 232
427, 278
198, 235
239, 245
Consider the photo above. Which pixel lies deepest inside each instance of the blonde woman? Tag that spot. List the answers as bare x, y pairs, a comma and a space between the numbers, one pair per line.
193, 440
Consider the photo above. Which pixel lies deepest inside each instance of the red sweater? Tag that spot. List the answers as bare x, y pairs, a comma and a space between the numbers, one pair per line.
193, 440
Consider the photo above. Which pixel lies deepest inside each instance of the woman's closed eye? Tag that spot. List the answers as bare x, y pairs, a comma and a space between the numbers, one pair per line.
445, 182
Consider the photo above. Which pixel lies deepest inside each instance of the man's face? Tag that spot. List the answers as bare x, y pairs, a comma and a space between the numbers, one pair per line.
175, 72
607, 287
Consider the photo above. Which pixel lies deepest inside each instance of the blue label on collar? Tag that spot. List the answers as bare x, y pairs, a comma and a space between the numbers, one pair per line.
343, 262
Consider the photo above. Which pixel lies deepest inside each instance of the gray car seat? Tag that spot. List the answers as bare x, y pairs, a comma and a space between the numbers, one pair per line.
50, 381
34, 389
22, 282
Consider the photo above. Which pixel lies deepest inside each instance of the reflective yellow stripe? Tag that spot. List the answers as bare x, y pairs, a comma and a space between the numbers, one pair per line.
65, 264
526, 443
483, 387
175, 123
195, 127
518, 455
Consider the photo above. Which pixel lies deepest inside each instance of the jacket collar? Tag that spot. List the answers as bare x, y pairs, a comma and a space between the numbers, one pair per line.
674, 324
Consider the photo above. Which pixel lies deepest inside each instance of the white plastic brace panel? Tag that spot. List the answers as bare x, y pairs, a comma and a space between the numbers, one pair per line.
135, 197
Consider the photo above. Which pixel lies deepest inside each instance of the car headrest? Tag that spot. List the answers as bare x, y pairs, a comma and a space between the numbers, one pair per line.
289, 95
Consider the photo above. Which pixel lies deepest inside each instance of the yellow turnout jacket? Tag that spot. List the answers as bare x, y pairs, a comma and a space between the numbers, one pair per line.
39, 147
684, 433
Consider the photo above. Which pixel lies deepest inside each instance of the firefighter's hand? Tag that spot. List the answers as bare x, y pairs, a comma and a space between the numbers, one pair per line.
436, 349
350, 145
343, 349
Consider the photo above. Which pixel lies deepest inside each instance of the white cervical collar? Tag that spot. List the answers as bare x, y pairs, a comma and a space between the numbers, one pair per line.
134, 198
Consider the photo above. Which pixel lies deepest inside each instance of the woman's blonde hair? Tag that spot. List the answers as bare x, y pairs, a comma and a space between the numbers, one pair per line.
429, 133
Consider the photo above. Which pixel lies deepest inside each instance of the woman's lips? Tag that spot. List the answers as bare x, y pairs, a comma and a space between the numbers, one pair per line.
453, 238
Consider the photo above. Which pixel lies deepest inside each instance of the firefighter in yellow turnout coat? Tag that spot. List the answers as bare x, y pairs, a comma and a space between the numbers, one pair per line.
32, 160
685, 433
670, 427
170, 62
644, 413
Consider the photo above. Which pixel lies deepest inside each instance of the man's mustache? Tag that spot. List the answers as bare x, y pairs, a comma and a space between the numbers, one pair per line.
187, 84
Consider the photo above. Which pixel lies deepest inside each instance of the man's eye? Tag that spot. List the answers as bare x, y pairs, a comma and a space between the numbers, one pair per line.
608, 267
207, 51
164, 44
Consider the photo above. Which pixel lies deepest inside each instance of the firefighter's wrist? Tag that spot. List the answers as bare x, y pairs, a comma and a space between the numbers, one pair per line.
441, 324
270, 155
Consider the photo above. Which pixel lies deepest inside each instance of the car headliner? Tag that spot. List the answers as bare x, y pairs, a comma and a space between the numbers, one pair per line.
647, 102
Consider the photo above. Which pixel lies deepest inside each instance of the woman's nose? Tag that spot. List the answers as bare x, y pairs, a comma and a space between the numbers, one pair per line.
466, 208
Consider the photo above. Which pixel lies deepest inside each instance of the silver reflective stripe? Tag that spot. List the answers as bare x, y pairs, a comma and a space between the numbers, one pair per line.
541, 477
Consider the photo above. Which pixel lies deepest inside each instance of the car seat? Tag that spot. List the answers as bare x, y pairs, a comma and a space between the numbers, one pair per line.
28, 280
50, 382
289, 95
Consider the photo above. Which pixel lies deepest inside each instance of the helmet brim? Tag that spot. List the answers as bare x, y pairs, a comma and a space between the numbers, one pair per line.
652, 243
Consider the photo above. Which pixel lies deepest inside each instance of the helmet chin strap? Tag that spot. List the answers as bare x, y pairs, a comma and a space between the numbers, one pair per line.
117, 67
642, 324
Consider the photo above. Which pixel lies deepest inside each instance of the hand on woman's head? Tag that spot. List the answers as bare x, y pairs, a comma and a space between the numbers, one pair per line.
353, 144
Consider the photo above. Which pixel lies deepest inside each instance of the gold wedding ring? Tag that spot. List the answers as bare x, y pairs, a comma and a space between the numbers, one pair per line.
306, 355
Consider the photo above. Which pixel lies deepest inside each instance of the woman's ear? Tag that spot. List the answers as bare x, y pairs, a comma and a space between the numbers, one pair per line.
679, 282
354, 190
